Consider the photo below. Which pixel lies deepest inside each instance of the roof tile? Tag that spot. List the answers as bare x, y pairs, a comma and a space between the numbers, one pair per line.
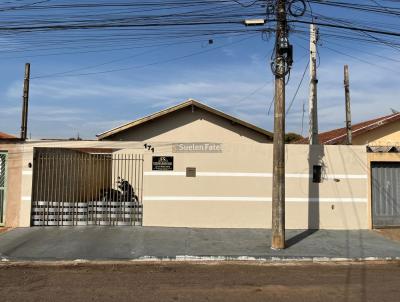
338, 136
6, 136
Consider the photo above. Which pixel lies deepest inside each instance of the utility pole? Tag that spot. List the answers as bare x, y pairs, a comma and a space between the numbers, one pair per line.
25, 100
313, 106
281, 67
348, 111
283, 62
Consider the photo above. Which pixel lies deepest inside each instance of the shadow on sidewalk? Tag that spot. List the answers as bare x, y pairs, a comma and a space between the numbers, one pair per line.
316, 171
299, 237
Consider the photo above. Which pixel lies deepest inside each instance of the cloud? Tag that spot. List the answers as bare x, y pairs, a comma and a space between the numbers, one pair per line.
9, 111
229, 52
99, 126
60, 107
56, 114
373, 92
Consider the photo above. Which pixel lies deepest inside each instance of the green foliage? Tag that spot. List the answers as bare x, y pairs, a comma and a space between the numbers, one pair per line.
291, 137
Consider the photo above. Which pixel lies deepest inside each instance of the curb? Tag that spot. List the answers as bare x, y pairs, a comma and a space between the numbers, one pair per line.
4, 261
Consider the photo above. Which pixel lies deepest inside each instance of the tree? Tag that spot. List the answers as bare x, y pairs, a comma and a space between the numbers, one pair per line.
291, 137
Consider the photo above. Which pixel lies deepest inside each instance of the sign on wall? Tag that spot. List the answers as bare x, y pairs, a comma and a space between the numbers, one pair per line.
163, 163
197, 148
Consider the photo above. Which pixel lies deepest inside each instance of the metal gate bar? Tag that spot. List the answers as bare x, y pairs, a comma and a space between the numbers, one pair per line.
3, 186
72, 188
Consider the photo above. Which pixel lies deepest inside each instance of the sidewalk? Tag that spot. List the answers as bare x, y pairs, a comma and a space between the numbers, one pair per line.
128, 243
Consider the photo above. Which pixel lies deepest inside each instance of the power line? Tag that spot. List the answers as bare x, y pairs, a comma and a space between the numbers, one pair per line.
62, 74
298, 88
381, 32
246, 5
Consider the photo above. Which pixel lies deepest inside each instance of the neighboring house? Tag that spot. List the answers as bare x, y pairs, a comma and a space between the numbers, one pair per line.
380, 132
190, 121
9, 146
381, 136
5, 136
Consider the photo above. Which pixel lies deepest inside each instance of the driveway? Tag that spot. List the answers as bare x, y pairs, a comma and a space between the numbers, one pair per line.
122, 243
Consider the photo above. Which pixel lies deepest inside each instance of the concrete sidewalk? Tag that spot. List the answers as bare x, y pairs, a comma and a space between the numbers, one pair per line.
125, 243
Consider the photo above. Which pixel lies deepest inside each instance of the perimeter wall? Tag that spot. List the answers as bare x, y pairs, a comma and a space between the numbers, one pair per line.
231, 189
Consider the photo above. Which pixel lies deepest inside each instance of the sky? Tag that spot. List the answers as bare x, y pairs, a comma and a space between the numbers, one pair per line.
232, 74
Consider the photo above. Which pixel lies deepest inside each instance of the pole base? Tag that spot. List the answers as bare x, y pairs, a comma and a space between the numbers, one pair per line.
277, 249
278, 241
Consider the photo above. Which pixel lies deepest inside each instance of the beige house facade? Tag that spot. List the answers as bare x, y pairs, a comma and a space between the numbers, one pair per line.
231, 189
386, 135
187, 122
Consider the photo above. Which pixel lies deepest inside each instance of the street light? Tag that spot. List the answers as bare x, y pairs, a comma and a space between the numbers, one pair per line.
254, 22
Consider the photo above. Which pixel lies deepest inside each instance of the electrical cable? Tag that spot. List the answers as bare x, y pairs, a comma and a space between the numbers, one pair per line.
298, 88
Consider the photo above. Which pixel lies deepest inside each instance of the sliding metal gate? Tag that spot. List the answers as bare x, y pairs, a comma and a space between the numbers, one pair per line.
76, 188
3, 186
386, 194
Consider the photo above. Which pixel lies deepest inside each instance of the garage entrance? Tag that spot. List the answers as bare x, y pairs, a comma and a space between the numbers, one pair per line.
385, 194
3, 186
72, 188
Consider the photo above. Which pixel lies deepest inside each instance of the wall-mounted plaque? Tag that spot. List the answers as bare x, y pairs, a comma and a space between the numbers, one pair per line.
163, 163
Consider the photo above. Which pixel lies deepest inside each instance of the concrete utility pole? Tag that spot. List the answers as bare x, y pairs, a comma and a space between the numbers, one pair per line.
283, 58
348, 111
25, 99
313, 105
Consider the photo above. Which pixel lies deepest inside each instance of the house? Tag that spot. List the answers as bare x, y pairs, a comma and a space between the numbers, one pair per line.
380, 132
190, 121
204, 169
9, 173
7, 137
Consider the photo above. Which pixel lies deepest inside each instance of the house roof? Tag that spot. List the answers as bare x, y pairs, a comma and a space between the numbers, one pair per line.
185, 104
338, 136
5, 136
